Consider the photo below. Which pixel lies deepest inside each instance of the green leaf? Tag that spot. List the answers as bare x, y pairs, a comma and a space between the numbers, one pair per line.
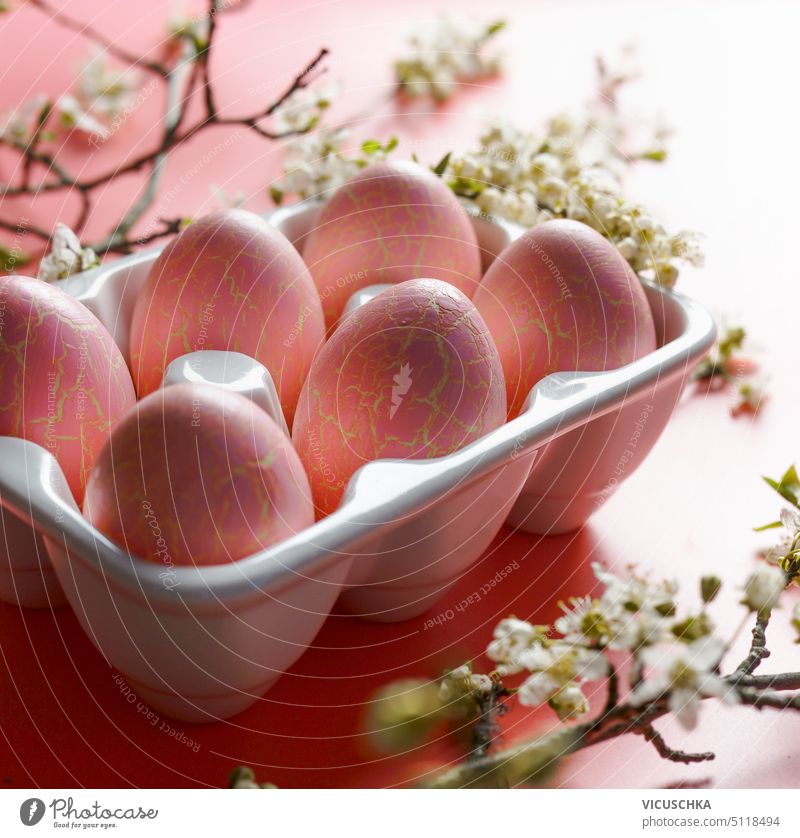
657, 155
391, 145
693, 627
441, 166
773, 525
788, 487
731, 341
709, 588
494, 28
371, 146
467, 187
10, 260
790, 478
276, 195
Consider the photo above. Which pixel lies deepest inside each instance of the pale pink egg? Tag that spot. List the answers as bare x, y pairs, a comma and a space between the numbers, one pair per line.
411, 374
64, 381
229, 281
389, 223
561, 297
197, 475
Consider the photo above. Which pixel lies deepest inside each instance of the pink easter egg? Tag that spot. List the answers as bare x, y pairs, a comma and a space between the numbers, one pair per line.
197, 475
411, 374
64, 383
389, 223
561, 297
229, 281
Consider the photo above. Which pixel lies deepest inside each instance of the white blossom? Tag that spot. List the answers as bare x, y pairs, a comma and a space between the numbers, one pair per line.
318, 163
513, 639
790, 518
752, 395
72, 116
225, 200
569, 702
557, 666
586, 619
528, 178
66, 256
302, 110
686, 673
461, 682
18, 125
631, 612
763, 588
104, 90
634, 593
181, 24
782, 553
445, 54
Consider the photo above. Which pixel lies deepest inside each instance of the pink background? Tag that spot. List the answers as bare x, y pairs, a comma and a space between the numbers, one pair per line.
725, 76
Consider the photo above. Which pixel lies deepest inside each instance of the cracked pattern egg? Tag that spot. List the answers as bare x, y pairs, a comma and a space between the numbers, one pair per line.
412, 374
561, 298
197, 475
229, 281
390, 223
63, 381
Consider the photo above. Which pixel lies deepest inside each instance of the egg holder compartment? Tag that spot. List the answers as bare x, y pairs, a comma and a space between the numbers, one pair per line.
210, 641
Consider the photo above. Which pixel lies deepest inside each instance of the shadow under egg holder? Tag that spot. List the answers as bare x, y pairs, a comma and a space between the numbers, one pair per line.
211, 641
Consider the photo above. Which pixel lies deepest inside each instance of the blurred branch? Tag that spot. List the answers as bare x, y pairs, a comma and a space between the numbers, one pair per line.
182, 79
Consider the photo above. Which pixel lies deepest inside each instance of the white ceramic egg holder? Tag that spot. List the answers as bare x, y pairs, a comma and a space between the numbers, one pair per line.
213, 640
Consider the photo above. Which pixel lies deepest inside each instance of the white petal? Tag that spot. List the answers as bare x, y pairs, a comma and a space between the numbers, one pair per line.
685, 704
647, 691
706, 653
537, 689
790, 518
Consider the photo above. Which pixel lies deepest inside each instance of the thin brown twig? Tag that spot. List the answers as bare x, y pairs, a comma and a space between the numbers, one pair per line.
41, 119
175, 108
758, 648
612, 699
174, 135
671, 754
204, 60
486, 728
93, 34
623, 719
44, 159
23, 227
780, 681
169, 226
776, 701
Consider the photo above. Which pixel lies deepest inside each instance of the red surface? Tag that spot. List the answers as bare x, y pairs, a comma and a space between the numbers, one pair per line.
719, 72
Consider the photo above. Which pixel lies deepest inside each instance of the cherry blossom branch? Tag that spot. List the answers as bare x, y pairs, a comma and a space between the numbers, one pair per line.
622, 720
196, 58
559, 658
